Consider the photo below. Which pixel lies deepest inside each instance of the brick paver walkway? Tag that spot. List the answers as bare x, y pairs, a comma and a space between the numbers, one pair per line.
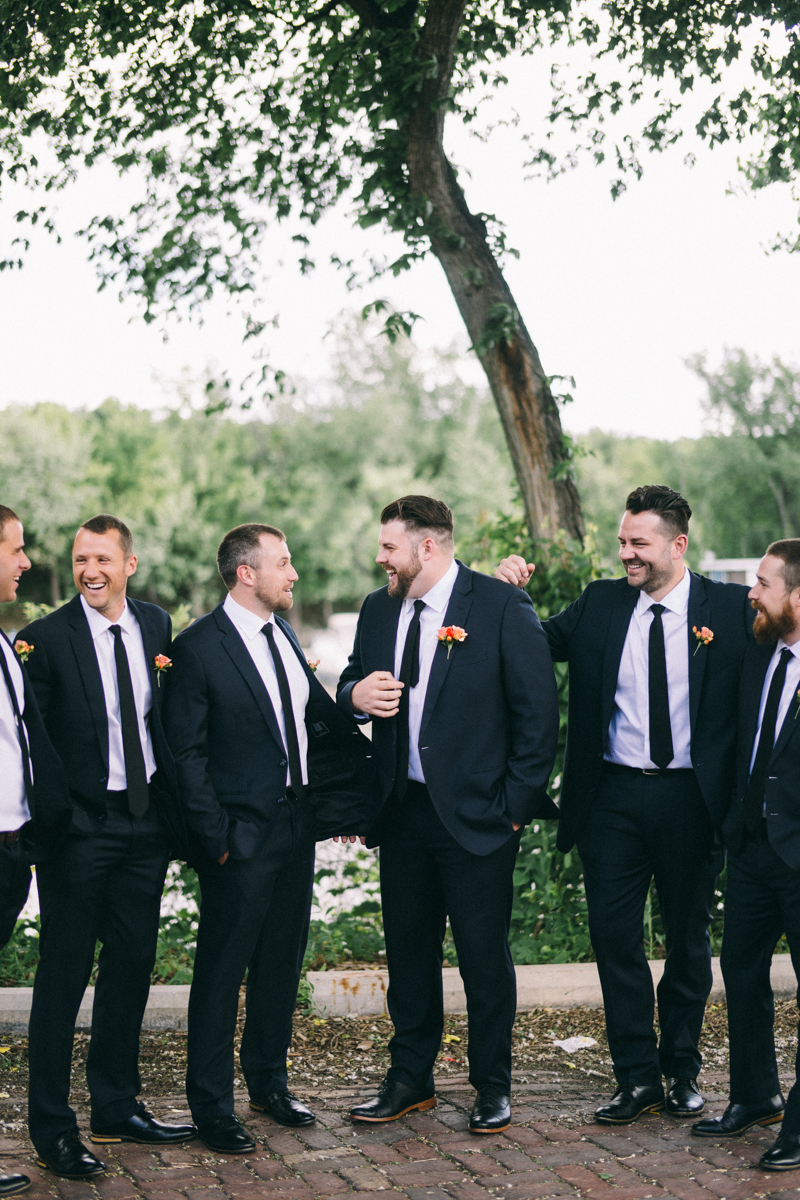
551, 1150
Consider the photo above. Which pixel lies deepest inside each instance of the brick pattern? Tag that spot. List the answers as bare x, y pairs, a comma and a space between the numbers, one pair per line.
554, 1150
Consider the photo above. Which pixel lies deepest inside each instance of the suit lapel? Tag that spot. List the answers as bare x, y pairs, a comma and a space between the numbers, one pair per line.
754, 674
699, 614
457, 613
619, 621
83, 647
150, 638
240, 657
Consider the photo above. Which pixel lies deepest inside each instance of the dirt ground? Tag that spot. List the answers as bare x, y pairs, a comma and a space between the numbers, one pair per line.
340, 1051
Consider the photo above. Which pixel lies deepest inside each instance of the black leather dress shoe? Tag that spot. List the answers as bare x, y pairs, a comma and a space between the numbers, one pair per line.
11, 1184
67, 1156
284, 1108
392, 1101
683, 1098
629, 1103
738, 1117
783, 1154
491, 1112
226, 1135
143, 1128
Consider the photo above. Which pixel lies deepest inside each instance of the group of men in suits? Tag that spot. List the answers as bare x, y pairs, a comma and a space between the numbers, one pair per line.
683, 704
238, 760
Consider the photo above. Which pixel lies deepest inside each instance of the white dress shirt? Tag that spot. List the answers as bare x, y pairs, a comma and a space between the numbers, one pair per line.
790, 687
629, 731
250, 625
14, 811
430, 620
100, 629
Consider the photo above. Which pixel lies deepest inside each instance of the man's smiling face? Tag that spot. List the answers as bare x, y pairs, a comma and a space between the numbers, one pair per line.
13, 560
101, 571
647, 551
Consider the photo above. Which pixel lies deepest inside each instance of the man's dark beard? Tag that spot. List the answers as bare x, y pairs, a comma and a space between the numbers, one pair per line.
770, 629
655, 578
403, 580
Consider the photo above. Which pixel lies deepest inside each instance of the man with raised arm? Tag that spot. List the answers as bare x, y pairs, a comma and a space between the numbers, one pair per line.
654, 662
455, 673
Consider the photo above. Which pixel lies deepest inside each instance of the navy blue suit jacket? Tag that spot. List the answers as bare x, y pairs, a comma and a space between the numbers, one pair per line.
66, 679
782, 790
490, 721
590, 635
50, 803
229, 753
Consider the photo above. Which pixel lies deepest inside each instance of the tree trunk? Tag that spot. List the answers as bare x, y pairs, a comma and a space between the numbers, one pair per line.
55, 598
507, 353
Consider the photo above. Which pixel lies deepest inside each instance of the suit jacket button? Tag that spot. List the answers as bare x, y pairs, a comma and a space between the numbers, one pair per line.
283, 762
103, 779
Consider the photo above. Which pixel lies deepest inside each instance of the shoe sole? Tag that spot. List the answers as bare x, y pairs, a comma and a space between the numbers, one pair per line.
286, 1124
423, 1106
684, 1112
102, 1139
20, 1187
651, 1108
62, 1175
764, 1121
494, 1129
227, 1149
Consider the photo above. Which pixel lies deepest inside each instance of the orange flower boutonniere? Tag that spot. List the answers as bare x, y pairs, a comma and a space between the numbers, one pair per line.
704, 637
449, 635
23, 649
313, 664
161, 663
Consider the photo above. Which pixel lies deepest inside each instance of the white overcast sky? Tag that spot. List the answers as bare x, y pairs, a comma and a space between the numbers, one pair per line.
617, 294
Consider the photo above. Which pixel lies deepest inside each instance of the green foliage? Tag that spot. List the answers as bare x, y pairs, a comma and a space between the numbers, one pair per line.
320, 466
19, 958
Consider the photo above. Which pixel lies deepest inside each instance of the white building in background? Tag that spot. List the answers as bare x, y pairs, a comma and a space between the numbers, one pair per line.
729, 570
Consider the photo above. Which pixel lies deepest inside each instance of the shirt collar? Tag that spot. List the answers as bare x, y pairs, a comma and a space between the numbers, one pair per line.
677, 601
248, 623
439, 595
98, 624
794, 650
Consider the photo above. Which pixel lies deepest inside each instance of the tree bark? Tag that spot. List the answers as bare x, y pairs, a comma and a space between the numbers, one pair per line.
527, 409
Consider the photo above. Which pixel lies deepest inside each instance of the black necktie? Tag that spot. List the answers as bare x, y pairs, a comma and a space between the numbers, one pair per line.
754, 796
661, 751
135, 770
409, 675
21, 736
292, 744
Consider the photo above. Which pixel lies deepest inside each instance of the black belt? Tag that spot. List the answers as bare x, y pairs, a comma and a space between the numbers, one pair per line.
620, 768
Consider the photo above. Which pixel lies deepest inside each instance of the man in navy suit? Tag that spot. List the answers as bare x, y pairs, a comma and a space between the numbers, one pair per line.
34, 802
654, 662
261, 752
762, 832
93, 669
455, 672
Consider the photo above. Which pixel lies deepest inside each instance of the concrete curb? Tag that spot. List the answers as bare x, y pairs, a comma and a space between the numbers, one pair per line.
567, 985
363, 993
167, 1008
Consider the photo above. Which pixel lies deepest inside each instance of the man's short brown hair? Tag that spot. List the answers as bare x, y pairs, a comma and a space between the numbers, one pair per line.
242, 546
421, 514
789, 550
105, 524
665, 501
6, 515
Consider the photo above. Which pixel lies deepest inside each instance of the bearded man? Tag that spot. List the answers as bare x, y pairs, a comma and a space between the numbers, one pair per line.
762, 831
454, 670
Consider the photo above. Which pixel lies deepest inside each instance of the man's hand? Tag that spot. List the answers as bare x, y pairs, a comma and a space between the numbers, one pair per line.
515, 570
378, 694
224, 858
345, 838
515, 827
